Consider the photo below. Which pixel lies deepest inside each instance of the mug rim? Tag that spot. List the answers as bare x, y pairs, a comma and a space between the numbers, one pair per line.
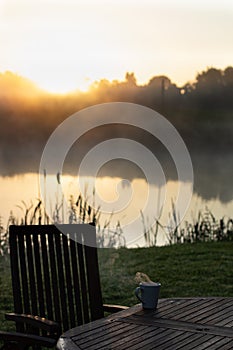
150, 284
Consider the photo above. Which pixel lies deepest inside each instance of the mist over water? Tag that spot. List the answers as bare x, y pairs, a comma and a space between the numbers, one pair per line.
212, 162
201, 112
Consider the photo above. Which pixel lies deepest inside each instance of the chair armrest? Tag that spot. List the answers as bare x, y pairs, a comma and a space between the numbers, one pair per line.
114, 308
27, 339
35, 321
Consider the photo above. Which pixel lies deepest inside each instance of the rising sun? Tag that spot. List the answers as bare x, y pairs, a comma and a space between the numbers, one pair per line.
62, 86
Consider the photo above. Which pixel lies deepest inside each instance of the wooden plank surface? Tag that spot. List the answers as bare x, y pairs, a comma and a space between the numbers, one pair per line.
177, 324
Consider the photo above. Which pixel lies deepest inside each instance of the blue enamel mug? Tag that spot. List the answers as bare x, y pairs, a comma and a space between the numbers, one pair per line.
148, 294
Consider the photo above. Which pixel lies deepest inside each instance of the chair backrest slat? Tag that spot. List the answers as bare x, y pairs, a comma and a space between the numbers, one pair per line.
68, 279
83, 284
76, 282
54, 275
61, 279
24, 274
91, 256
15, 272
39, 276
15, 276
31, 274
54, 279
46, 276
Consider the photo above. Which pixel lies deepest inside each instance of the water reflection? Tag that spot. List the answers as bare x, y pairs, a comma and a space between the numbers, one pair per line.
123, 200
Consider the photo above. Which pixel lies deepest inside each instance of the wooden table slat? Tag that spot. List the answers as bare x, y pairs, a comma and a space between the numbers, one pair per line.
181, 325
106, 342
188, 339
155, 340
177, 324
174, 306
159, 335
109, 336
223, 344
109, 328
199, 309
193, 342
211, 312
222, 315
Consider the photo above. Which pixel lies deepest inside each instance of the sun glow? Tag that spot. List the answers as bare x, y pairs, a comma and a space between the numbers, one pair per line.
62, 86
65, 45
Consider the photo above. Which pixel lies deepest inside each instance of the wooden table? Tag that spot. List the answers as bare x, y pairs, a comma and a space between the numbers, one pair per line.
180, 323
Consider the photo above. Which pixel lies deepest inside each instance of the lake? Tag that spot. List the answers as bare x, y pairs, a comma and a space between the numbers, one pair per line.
121, 200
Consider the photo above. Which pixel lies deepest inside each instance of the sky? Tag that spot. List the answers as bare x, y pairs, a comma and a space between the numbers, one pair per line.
63, 45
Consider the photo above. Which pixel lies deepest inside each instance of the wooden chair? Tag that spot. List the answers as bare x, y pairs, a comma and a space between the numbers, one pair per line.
55, 281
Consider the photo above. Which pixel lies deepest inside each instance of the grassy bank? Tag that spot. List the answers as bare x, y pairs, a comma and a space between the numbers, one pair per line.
199, 269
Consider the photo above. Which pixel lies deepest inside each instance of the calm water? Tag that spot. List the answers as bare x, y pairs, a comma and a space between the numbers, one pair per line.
122, 198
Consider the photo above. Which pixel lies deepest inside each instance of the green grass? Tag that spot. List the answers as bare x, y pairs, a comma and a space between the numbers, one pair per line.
6, 300
198, 269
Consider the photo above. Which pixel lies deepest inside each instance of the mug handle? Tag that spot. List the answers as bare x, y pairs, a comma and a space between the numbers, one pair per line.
137, 290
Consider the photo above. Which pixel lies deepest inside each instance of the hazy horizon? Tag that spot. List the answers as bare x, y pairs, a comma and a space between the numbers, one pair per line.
15, 82
64, 44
